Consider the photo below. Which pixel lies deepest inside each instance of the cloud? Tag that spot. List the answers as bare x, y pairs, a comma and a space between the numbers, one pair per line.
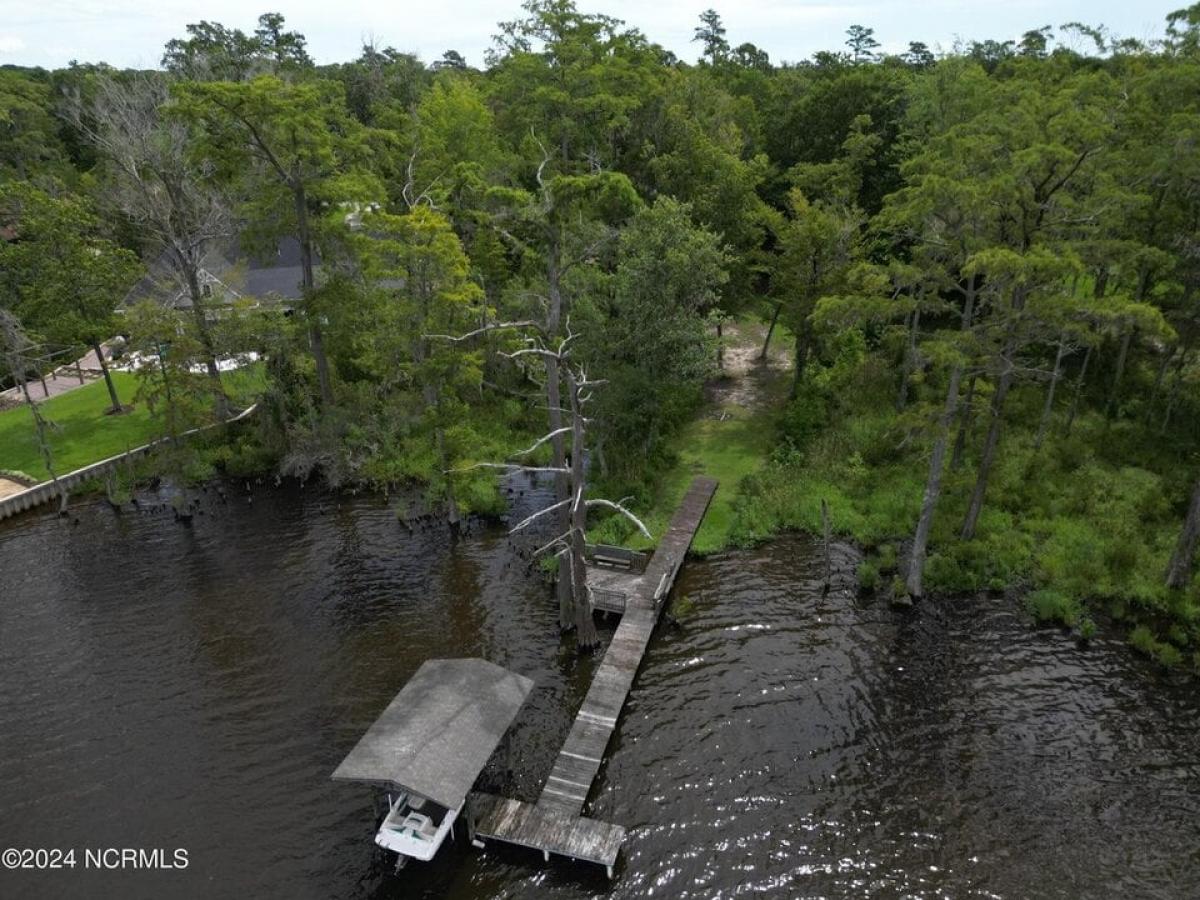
11, 44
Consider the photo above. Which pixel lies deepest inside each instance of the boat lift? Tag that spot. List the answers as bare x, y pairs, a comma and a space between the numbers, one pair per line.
428, 747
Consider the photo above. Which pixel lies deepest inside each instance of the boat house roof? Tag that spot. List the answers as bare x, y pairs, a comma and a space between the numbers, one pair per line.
436, 736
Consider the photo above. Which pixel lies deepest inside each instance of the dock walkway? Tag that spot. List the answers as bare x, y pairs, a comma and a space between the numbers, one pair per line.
555, 824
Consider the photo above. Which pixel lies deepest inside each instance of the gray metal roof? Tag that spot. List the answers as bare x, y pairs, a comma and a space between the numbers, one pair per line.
249, 272
436, 736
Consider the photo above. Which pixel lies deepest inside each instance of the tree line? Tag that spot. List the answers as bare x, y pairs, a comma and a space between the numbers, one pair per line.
998, 241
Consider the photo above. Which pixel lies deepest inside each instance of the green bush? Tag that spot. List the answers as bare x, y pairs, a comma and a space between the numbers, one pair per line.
1050, 606
868, 576
804, 417
943, 574
887, 558
1144, 641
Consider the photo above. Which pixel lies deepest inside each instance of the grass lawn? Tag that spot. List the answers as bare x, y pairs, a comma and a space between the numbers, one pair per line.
726, 449
83, 433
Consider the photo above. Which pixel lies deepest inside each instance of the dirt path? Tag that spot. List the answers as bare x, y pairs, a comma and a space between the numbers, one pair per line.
747, 381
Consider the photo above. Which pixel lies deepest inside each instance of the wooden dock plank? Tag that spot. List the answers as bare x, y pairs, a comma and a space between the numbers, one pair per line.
546, 827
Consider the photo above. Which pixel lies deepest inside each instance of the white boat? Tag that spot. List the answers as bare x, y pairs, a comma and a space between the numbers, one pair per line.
415, 826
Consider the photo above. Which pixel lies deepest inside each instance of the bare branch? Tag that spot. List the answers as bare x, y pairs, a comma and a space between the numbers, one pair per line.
546, 546
564, 430
511, 467
537, 515
621, 509
495, 326
545, 158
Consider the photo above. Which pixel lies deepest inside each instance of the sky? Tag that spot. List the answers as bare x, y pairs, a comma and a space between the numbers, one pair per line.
131, 33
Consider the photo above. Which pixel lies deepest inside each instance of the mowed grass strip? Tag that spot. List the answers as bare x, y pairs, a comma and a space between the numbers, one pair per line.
82, 432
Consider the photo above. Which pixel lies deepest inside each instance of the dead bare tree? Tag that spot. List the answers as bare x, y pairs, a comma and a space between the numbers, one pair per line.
168, 194
561, 228
569, 547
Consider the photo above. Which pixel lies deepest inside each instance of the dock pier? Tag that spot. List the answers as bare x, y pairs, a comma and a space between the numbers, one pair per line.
555, 824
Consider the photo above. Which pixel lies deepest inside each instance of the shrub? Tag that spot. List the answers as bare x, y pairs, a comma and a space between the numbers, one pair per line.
1051, 606
943, 573
868, 576
1167, 655
887, 558
804, 417
1144, 641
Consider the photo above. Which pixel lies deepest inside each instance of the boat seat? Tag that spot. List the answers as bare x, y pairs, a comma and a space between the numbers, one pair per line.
419, 823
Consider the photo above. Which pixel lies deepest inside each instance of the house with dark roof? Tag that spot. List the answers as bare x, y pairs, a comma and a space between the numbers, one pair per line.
229, 272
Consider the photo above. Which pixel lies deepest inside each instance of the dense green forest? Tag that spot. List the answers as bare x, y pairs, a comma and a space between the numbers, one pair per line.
984, 265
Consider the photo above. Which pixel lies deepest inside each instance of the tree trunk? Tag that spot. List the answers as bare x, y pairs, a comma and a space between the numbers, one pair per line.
585, 623
316, 339
172, 411
220, 399
1179, 572
914, 581
108, 380
554, 314
803, 347
766, 348
1113, 393
1078, 392
933, 489
1048, 407
452, 514
39, 425
990, 444
433, 401
964, 426
910, 358
720, 344
1176, 383
992, 441
1159, 378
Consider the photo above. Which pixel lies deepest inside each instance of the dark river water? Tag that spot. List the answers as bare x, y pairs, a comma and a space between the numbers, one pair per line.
170, 686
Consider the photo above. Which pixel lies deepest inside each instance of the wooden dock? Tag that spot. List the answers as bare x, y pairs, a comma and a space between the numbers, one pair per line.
554, 824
